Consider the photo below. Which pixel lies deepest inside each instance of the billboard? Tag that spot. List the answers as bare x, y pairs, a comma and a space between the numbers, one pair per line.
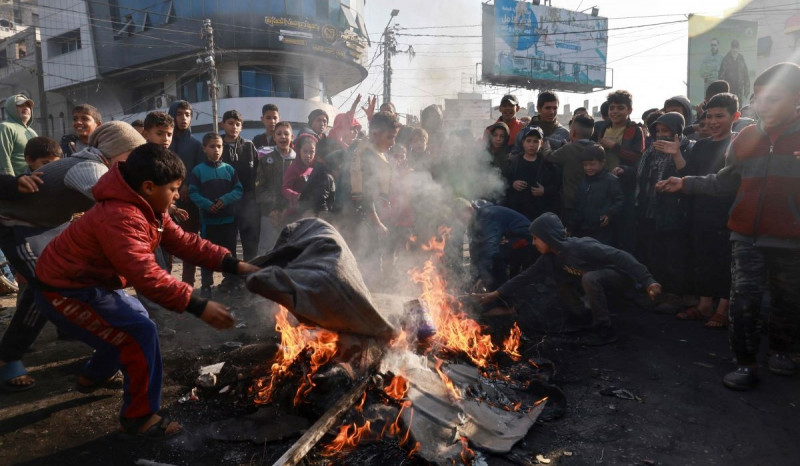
721, 49
539, 46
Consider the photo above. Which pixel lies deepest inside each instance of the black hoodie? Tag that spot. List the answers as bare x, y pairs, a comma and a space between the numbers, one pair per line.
189, 149
574, 256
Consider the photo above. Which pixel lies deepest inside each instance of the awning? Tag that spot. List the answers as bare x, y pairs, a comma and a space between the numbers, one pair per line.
792, 24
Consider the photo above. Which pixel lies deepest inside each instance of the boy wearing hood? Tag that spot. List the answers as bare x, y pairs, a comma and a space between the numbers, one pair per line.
14, 134
604, 271
662, 241
762, 166
190, 150
682, 105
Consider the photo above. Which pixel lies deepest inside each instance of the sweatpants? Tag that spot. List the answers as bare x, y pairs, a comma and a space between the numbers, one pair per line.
27, 322
119, 329
222, 235
753, 269
598, 285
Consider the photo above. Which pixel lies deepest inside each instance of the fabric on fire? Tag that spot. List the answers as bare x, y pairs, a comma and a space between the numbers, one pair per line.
312, 272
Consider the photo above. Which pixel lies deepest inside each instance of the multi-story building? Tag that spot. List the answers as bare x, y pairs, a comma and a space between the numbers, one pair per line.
128, 57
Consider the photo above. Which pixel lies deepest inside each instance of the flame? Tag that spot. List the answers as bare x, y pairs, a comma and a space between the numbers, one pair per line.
394, 428
467, 454
540, 401
398, 388
348, 438
415, 450
511, 344
320, 345
455, 330
448, 383
360, 406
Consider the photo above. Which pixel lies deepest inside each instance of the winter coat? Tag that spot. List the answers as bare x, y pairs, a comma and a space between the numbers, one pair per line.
574, 256
761, 168
490, 224
67, 190
71, 144
629, 150
212, 181
189, 149
524, 201
111, 246
243, 157
14, 136
569, 158
597, 196
269, 178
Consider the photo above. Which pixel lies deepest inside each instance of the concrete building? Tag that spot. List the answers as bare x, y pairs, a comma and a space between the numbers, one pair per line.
778, 30
128, 57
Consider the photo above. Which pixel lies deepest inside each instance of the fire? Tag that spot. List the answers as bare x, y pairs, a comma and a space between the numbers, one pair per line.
319, 345
455, 330
348, 438
398, 388
511, 344
417, 448
360, 406
467, 454
448, 383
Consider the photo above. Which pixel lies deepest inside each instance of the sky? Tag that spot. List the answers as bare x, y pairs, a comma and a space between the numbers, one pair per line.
650, 62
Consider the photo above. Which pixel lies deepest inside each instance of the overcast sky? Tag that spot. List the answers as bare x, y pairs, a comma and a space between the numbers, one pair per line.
648, 61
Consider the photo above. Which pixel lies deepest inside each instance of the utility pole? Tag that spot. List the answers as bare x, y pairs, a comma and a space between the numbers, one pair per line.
389, 48
208, 36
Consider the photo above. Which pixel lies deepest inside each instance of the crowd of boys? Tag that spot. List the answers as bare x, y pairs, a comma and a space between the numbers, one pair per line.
664, 206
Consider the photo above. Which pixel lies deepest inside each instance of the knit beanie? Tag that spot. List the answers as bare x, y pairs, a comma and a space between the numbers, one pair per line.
114, 138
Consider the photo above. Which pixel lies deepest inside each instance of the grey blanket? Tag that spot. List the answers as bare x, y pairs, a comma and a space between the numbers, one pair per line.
312, 273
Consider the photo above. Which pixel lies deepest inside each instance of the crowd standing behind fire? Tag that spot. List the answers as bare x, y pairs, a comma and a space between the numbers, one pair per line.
667, 205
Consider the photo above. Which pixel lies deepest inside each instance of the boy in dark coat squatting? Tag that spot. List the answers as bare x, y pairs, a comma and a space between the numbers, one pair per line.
603, 270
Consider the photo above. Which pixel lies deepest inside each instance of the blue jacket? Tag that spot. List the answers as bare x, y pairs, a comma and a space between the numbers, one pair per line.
212, 181
490, 224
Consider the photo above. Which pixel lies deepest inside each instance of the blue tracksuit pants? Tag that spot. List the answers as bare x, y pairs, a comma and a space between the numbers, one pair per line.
117, 326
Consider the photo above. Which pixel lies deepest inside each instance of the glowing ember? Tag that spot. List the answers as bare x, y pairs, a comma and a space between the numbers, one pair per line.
540, 401
319, 345
348, 438
398, 388
467, 454
448, 383
511, 344
417, 448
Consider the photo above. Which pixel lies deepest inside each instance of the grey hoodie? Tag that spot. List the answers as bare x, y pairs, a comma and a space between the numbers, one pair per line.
687, 107
575, 256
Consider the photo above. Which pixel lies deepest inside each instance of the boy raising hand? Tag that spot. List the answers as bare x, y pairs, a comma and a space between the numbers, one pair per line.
83, 271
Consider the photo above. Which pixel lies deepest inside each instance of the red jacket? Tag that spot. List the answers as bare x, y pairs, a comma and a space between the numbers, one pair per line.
765, 174
113, 244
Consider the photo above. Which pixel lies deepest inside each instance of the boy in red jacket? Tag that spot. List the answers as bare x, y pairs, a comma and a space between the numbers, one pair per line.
83, 271
762, 167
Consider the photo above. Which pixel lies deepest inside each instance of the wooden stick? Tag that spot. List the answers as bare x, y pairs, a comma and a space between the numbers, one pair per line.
305, 443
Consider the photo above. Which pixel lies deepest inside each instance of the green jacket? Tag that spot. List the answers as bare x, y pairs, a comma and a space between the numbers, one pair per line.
13, 137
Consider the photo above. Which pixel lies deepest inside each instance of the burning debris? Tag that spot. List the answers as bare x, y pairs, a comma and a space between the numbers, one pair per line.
438, 389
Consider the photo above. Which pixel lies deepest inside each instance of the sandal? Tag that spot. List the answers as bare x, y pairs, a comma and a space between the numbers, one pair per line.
691, 313
14, 370
718, 321
132, 428
113, 382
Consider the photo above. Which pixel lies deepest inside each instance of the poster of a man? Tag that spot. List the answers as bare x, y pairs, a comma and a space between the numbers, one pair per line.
709, 70
734, 70
710, 38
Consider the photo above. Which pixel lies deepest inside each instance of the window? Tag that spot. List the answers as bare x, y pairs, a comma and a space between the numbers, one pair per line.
65, 43
63, 123
144, 98
3, 58
21, 49
266, 81
194, 89
52, 125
